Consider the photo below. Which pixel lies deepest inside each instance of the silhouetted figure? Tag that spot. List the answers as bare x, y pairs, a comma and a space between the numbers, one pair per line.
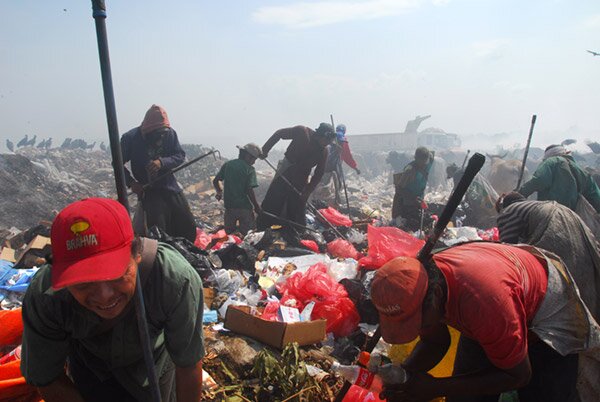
78, 143
23, 142
10, 145
66, 143
102, 146
91, 146
32, 141
41, 144
48, 143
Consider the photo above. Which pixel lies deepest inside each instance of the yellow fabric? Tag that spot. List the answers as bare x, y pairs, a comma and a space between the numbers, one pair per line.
398, 353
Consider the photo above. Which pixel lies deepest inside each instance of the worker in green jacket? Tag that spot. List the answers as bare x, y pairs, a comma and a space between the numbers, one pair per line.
410, 188
558, 178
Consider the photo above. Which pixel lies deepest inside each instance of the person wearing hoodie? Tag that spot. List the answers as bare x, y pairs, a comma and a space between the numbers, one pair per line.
559, 178
153, 150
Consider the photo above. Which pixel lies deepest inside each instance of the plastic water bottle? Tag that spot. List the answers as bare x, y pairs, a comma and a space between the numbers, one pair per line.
358, 376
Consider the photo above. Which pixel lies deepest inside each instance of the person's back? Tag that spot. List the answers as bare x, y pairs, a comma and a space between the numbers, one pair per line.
559, 178
556, 228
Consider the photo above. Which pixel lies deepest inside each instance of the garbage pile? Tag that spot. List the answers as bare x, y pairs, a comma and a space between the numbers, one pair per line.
36, 183
281, 306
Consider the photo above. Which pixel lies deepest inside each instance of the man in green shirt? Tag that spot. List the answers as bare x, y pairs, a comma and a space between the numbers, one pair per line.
410, 187
558, 178
239, 178
79, 310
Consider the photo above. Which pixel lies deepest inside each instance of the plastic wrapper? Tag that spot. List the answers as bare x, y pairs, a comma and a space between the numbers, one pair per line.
331, 299
341, 248
346, 269
310, 244
335, 217
386, 243
228, 281
359, 294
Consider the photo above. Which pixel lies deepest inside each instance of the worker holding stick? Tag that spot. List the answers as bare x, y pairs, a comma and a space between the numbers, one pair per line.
307, 149
153, 149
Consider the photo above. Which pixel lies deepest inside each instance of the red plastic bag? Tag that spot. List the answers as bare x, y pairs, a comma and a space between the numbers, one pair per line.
270, 311
341, 248
490, 234
310, 244
331, 299
335, 217
386, 243
202, 239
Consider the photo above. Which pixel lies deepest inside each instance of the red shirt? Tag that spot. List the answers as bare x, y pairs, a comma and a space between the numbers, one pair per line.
494, 291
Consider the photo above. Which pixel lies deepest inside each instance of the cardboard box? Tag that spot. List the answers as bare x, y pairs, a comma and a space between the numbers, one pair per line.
35, 252
7, 254
273, 333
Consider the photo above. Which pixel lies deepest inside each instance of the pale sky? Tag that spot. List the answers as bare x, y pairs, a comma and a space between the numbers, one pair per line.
231, 72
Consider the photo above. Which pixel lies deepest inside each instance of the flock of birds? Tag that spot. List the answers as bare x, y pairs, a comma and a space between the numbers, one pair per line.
68, 143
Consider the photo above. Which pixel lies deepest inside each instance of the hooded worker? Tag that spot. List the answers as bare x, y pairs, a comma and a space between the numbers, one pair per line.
153, 150
289, 191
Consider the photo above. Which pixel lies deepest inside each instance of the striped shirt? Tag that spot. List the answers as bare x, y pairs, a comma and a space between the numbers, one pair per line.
513, 221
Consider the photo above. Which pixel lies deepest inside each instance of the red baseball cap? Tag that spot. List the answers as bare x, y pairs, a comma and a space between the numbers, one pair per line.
397, 291
91, 242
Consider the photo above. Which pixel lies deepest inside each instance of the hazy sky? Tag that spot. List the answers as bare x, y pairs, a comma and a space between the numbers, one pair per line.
230, 72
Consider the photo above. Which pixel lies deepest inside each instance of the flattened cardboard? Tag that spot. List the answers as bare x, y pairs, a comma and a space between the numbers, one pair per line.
7, 254
273, 333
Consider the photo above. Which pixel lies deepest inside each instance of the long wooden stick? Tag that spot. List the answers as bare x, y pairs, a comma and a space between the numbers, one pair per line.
533, 118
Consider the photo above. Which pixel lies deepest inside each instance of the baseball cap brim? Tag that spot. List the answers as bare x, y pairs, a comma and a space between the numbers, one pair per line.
400, 330
105, 266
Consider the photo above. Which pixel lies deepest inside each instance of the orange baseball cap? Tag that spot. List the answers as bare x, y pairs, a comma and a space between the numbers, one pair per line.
397, 292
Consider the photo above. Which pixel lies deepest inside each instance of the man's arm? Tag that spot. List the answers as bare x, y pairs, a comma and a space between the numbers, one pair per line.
188, 383
175, 155
217, 185
282, 134
252, 197
421, 386
542, 179
61, 390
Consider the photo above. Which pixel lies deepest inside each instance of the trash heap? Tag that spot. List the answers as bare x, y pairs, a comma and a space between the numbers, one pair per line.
36, 183
281, 306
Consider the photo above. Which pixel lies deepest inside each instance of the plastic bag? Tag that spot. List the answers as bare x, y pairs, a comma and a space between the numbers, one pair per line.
386, 243
228, 281
341, 248
346, 269
202, 239
331, 299
335, 217
310, 244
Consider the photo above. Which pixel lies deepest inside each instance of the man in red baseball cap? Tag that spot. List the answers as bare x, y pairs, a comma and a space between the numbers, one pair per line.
521, 320
78, 309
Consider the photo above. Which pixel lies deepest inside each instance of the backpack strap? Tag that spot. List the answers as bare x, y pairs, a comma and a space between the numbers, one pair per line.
149, 249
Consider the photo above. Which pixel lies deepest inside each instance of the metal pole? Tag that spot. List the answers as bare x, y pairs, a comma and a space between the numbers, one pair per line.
308, 204
341, 170
99, 14
533, 119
